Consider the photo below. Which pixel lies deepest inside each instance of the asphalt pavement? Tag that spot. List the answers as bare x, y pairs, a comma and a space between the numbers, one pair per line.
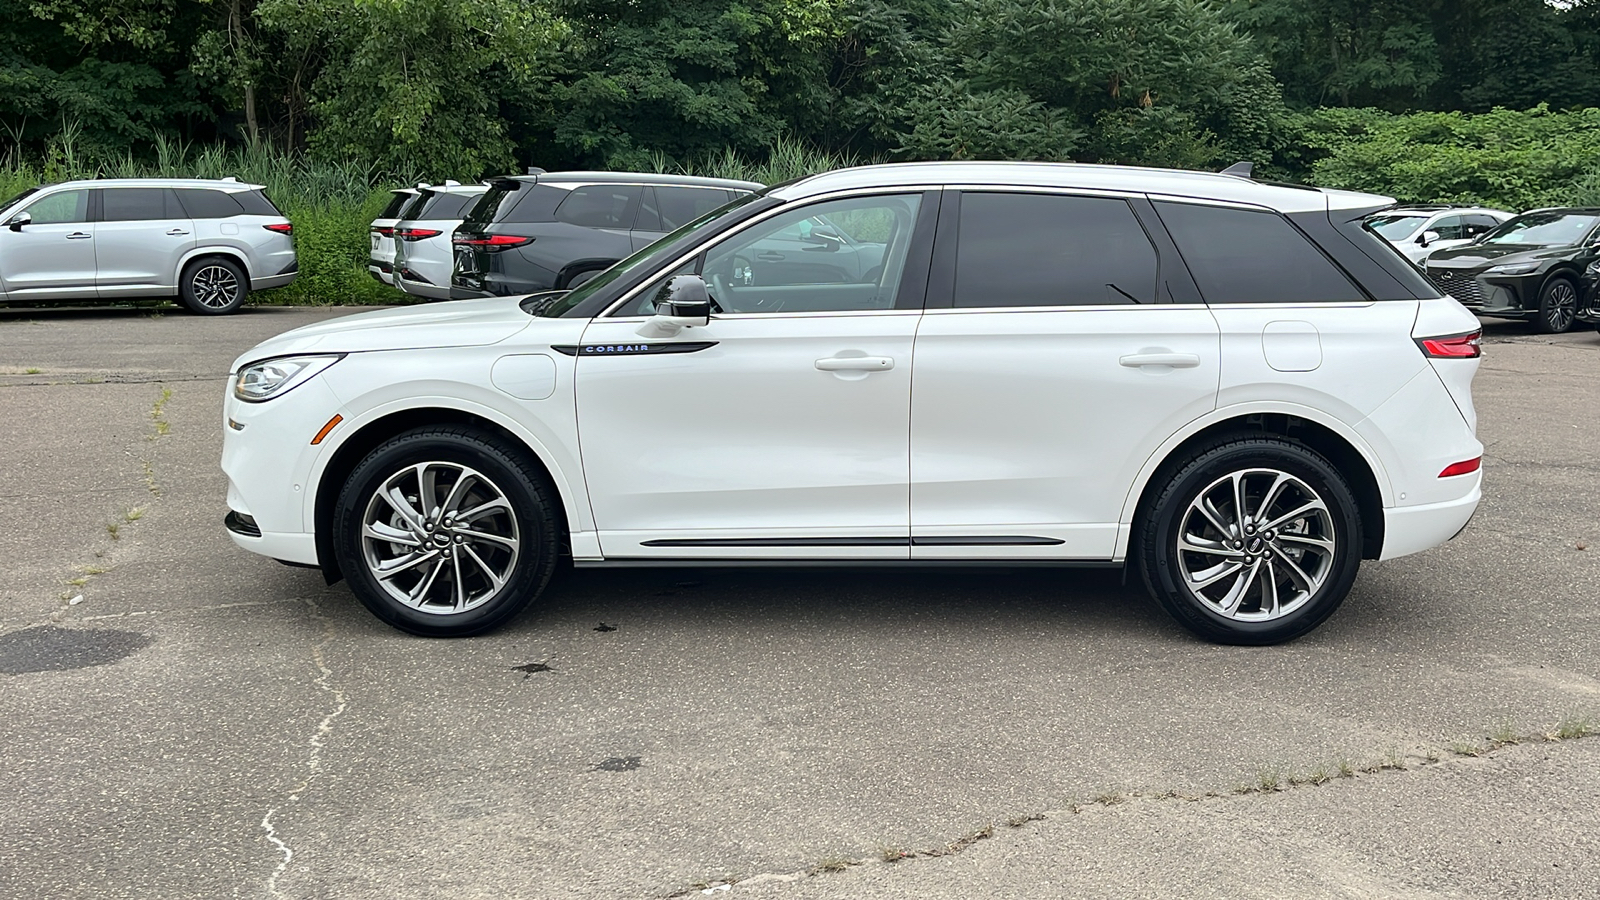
179, 718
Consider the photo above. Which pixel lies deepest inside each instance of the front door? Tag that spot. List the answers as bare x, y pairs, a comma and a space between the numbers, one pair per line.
1069, 346
51, 257
778, 430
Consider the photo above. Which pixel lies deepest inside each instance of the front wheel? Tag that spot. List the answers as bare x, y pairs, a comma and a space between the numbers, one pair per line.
1558, 307
1254, 541
446, 532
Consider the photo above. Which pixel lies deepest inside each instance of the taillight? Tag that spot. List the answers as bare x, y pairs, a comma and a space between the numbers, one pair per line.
1465, 467
383, 231
490, 241
416, 234
1453, 346
280, 227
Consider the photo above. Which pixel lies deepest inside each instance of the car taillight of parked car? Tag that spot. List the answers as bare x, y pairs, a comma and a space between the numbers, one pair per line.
1453, 346
491, 242
383, 231
280, 227
416, 234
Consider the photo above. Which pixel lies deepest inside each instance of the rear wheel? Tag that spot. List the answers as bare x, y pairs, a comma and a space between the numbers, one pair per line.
446, 532
1253, 541
1558, 306
213, 286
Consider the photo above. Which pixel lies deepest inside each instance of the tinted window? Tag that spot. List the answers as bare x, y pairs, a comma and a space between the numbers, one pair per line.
256, 203
600, 206
1245, 256
1544, 229
56, 209
681, 205
207, 204
136, 205
396, 203
1450, 228
1480, 224
430, 205
1395, 227
1044, 250
531, 203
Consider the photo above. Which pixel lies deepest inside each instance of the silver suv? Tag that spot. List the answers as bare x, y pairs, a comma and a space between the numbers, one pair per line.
209, 243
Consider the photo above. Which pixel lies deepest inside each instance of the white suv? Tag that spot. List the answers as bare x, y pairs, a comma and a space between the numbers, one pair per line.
207, 242
1231, 386
1419, 231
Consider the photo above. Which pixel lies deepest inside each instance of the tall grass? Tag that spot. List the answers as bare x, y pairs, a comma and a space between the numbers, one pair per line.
787, 160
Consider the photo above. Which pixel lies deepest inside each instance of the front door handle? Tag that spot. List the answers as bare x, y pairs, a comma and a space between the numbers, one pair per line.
856, 364
1160, 358
177, 231
79, 235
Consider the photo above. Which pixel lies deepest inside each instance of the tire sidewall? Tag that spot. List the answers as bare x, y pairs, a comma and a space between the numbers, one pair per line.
1158, 553
527, 495
186, 286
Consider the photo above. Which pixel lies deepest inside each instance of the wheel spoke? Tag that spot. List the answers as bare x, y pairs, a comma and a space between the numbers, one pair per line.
1241, 586
1208, 577
419, 594
1215, 517
427, 498
1296, 574
1271, 496
1298, 513
402, 563
461, 589
494, 578
382, 531
457, 492
1201, 545
472, 535
1240, 514
397, 500
483, 509
1319, 543
1270, 604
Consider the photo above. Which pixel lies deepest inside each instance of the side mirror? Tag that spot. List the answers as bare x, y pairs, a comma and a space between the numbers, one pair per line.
683, 302
19, 220
1428, 237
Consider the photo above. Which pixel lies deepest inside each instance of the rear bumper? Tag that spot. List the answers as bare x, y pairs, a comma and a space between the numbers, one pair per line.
272, 281
1412, 529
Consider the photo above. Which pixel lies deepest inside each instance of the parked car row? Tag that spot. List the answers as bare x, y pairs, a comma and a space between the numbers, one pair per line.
208, 243
534, 232
1542, 266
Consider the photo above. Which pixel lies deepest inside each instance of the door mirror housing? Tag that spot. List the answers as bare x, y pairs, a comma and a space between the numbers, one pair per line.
1428, 237
683, 302
20, 219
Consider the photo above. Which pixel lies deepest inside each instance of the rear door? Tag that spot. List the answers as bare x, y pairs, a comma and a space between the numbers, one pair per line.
1062, 344
140, 240
52, 257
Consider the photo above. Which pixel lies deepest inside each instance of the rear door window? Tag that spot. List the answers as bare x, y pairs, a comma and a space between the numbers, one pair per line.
600, 206
1450, 228
1051, 250
396, 203
138, 205
679, 206
1250, 256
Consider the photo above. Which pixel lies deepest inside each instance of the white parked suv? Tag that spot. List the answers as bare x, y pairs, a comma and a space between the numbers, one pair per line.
208, 243
423, 253
1419, 231
1231, 387
380, 258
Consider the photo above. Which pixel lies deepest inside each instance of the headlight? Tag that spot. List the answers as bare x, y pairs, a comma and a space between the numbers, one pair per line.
1521, 268
1594, 269
271, 378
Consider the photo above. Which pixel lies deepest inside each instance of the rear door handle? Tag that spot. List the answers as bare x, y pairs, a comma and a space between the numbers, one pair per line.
79, 235
856, 364
1163, 358
177, 231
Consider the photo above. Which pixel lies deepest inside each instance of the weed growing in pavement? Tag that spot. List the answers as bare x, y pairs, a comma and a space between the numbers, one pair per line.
113, 529
1019, 821
134, 514
1111, 798
31, 370
833, 864
1505, 734
1466, 748
1573, 727
893, 854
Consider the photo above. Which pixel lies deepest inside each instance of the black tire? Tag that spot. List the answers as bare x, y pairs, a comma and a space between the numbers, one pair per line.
1558, 306
1319, 578
213, 286
519, 541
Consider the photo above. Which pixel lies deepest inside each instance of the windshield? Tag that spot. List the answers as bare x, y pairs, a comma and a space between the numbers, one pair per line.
6, 207
1395, 227
1543, 229
643, 259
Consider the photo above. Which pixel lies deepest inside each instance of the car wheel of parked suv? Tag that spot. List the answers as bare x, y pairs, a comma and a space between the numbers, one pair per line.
444, 532
213, 286
1251, 542
1558, 306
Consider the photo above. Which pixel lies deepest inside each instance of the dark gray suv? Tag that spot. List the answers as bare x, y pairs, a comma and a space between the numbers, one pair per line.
556, 230
207, 242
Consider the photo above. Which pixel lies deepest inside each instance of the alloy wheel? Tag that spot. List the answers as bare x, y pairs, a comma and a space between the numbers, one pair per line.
440, 538
215, 287
1256, 545
1562, 307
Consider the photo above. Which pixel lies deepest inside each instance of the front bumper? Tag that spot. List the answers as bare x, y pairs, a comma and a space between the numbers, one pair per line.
1502, 296
268, 458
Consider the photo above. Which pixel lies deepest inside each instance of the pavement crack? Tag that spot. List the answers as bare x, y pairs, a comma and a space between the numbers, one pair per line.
314, 746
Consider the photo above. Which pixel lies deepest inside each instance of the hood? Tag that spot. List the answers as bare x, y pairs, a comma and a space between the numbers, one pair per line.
462, 323
1474, 256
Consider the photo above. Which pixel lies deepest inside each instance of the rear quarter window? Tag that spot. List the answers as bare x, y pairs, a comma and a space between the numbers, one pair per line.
396, 203
201, 203
1249, 256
